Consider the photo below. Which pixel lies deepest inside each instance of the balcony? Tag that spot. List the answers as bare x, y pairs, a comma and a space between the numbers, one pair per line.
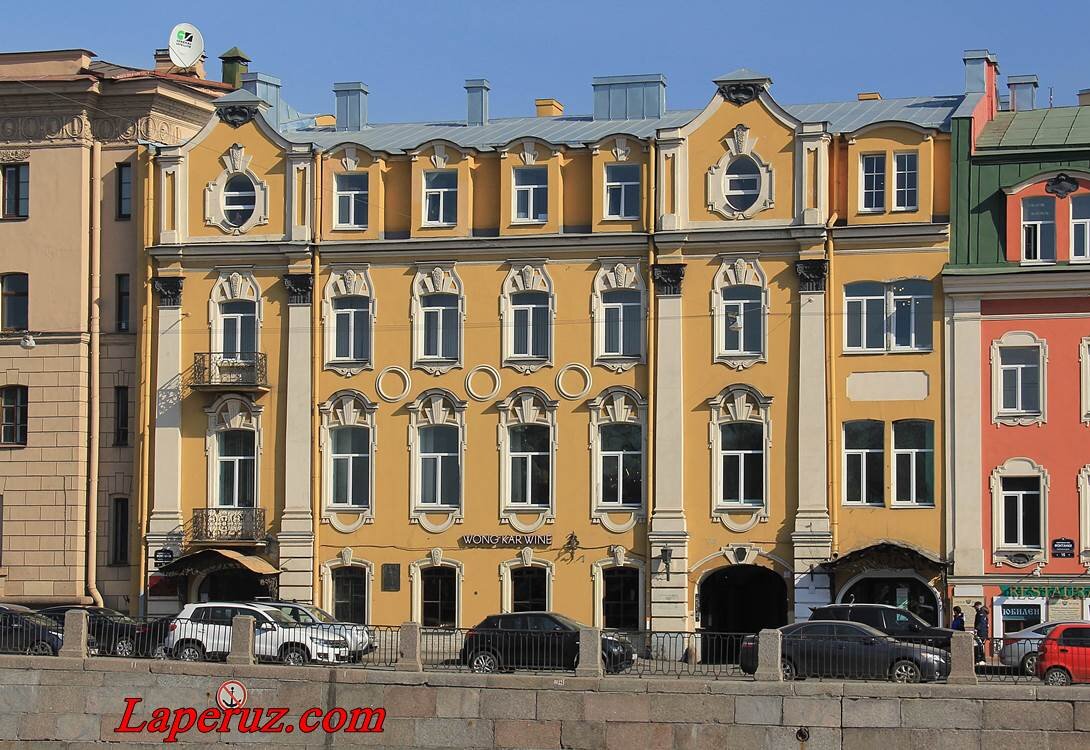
227, 526
216, 371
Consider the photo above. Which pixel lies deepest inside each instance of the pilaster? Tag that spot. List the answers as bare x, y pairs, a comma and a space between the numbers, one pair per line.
165, 517
965, 476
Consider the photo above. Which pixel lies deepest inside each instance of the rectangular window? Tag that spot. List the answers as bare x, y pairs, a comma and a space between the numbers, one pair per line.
531, 194
14, 302
622, 191
13, 415
865, 304
351, 201
1020, 379
121, 415
352, 328
440, 482
530, 475
911, 320
119, 531
124, 190
351, 451
741, 449
864, 462
440, 333
1022, 512
914, 461
122, 283
441, 198
530, 312
622, 464
742, 320
1080, 228
15, 183
1039, 230
905, 181
874, 182
622, 317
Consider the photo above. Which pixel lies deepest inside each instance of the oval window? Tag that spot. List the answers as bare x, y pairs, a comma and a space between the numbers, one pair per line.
239, 198
742, 183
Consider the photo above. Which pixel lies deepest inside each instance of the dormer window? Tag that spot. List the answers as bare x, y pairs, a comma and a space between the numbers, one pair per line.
441, 197
239, 200
1039, 230
1080, 228
874, 182
531, 194
622, 191
742, 183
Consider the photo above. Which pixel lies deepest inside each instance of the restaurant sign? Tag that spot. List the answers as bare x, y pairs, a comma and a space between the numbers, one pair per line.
506, 540
1047, 592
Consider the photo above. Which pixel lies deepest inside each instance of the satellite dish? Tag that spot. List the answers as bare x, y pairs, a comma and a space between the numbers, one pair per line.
186, 45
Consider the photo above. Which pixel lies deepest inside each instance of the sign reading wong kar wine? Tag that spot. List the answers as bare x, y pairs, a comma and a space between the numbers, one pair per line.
506, 540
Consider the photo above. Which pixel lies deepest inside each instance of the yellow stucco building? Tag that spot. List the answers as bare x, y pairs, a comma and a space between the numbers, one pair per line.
648, 368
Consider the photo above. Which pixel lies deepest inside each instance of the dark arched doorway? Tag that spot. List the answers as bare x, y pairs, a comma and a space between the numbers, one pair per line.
738, 599
231, 586
908, 592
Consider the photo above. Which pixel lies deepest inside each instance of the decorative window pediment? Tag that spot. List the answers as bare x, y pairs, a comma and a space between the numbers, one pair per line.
1020, 488
348, 458
235, 311
739, 304
618, 448
233, 450
740, 184
526, 438
349, 310
437, 313
236, 205
437, 440
740, 439
528, 310
618, 308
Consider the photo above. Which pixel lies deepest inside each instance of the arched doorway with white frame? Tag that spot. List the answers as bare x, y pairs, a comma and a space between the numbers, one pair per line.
526, 583
347, 583
899, 588
436, 587
619, 590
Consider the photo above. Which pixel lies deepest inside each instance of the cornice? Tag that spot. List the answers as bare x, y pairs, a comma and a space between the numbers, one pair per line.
999, 282
928, 231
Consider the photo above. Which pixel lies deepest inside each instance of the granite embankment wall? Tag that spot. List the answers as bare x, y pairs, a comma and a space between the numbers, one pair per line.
76, 703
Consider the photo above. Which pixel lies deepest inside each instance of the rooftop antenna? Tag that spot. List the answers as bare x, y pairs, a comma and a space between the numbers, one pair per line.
1050, 97
186, 45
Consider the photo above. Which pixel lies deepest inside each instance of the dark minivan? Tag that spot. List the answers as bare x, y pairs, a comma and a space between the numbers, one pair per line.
535, 640
894, 621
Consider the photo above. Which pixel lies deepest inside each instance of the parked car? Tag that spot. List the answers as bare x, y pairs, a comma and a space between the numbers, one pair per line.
1064, 655
115, 632
535, 640
1020, 648
361, 641
894, 621
24, 631
203, 631
849, 650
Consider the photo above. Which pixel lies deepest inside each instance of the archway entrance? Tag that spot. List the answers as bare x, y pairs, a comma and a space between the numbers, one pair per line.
738, 599
900, 591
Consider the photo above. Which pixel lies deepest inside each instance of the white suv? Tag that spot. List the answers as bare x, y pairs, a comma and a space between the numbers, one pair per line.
203, 631
361, 641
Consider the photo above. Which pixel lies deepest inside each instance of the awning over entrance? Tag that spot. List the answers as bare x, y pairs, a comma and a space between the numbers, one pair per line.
211, 560
888, 552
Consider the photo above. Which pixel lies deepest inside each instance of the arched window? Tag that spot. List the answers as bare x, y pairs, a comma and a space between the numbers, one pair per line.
237, 469
621, 598
742, 183
438, 597
529, 587
351, 467
234, 314
350, 594
239, 199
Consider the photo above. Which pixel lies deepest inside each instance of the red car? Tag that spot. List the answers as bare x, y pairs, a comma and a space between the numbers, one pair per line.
1064, 655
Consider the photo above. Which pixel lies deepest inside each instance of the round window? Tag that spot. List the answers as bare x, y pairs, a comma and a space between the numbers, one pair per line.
742, 183
238, 200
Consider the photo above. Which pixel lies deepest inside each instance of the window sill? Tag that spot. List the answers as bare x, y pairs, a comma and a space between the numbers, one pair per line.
620, 218
359, 510
535, 509
425, 508
1030, 263
438, 225
905, 210
740, 508
904, 505
14, 218
874, 506
349, 228
902, 350
614, 508
872, 211
12, 445
857, 352
1018, 419
529, 222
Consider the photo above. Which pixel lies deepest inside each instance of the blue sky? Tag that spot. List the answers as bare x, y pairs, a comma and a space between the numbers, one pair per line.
415, 54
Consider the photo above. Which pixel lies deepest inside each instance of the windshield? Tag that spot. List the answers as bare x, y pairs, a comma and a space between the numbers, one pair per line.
319, 614
37, 619
113, 616
569, 622
278, 617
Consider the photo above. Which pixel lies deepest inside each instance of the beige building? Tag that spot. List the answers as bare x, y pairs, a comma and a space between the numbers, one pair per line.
70, 271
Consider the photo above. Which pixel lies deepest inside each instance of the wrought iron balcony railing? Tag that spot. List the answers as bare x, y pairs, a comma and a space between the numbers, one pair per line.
230, 371
221, 525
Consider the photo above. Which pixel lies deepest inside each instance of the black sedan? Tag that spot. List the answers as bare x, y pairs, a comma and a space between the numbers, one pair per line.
24, 631
848, 650
535, 640
117, 633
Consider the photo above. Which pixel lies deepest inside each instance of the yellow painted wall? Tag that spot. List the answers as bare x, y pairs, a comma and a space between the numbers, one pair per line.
374, 167
889, 141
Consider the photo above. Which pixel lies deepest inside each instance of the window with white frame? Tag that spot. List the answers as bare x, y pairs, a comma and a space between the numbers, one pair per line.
530, 473
894, 316
440, 466
351, 456
621, 454
438, 312
742, 183
239, 329
1039, 230
873, 192
527, 442
914, 461
864, 462
910, 309
237, 464
905, 181
622, 191
618, 300
441, 197
622, 310
1080, 227
239, 199
739, 443
351, 200
440, 321
865, 318
1022, 512
352, 328
739, 306
618, 444
531, 318
743, 318
531, 194
742, 469
1020, 379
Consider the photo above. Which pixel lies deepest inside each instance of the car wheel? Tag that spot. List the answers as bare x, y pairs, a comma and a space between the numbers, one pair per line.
294, 657
1029, 664
1057, 676
190, 652
159, 652
905, 671
124, 647
40, 648
484, 662
788, 669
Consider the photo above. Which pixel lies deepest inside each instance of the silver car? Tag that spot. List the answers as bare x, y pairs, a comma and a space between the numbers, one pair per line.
360, 639
1020, 648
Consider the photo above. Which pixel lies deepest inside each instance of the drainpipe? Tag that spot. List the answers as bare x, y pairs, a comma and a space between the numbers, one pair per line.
143, 432
651, 328
315, 357
831, 464
93, 383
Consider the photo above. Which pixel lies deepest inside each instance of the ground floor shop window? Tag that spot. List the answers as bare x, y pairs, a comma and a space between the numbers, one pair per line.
350, 595
439, 597
1012, 615
528, 590
621, 598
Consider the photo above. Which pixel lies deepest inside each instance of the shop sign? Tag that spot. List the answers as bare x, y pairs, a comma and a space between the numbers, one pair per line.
1021, 611
163, 555
1063, 547
506, 540
1047, 592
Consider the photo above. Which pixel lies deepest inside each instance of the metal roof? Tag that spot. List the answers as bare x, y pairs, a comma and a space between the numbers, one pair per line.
844, 117
1056, 126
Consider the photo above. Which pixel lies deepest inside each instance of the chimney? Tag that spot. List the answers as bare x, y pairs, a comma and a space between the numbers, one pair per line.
1084, 97
868, 96
977, 64
235, 65
548, 108
267, 88
629, 97
162, 61
477, 101
351, 99
1023, 92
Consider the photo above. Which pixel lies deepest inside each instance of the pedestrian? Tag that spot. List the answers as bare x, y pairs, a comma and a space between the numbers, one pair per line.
958, 623
981, 622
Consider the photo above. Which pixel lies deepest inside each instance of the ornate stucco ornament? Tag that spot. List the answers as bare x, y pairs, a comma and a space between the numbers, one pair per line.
740, 93
236, 115
1062, 185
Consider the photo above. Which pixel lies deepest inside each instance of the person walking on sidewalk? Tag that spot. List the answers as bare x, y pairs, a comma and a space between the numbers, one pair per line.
958, 621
